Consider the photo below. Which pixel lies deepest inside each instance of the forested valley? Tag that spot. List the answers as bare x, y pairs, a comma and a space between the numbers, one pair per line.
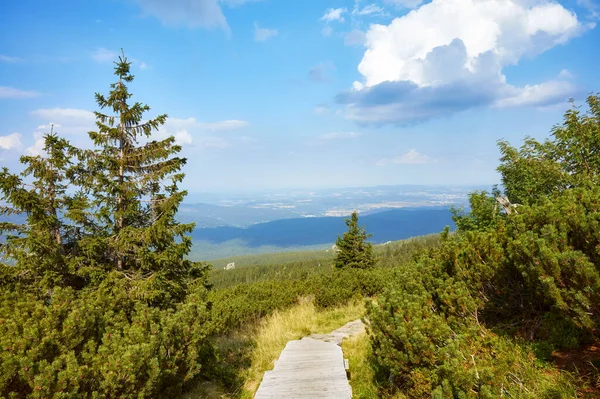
99, 299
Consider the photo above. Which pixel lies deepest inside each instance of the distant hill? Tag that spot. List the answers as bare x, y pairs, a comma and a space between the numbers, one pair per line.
209, 215
385, 226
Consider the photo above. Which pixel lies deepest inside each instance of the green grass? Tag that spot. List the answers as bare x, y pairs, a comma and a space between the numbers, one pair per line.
357, 350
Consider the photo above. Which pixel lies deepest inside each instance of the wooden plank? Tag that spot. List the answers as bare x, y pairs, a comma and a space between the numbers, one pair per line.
307, 368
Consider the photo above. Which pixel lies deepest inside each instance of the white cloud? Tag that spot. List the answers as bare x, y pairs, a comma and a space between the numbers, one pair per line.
411, 157
455, 57
183, 137
143, 65
371, 9
546, 93
10, 59
10, 141
188, 13
103, 55
11, 92
38, 146
262, 34
334, 14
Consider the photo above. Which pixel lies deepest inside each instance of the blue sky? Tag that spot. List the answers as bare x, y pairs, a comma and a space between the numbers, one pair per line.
307, 94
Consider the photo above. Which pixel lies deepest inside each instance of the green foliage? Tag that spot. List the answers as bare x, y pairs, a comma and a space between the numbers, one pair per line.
465, 319
42, 246
133, 189
234, 306
353, 250
344, 285
99, 343
570, 159
431, 335
484, 214
97, 298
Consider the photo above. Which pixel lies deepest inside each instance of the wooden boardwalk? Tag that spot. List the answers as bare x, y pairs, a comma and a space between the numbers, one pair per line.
312, 367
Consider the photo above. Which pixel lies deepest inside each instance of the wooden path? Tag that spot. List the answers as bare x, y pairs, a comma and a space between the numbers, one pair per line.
312, 367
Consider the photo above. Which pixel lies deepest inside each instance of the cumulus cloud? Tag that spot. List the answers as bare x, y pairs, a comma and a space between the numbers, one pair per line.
188, 13
103, 55
10, 141
411, 157
455, 57
262, 34
11, 92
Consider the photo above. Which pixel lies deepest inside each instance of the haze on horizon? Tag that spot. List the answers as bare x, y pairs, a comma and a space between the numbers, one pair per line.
267, 95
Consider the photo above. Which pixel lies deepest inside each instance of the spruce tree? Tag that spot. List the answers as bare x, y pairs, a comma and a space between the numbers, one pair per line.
132, 183
40, 246
353, 250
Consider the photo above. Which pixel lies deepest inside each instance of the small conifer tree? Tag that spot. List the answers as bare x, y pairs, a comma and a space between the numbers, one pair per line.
353, 250
39, 246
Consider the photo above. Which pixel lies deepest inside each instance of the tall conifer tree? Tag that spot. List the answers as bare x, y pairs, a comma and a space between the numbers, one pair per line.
132, 182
